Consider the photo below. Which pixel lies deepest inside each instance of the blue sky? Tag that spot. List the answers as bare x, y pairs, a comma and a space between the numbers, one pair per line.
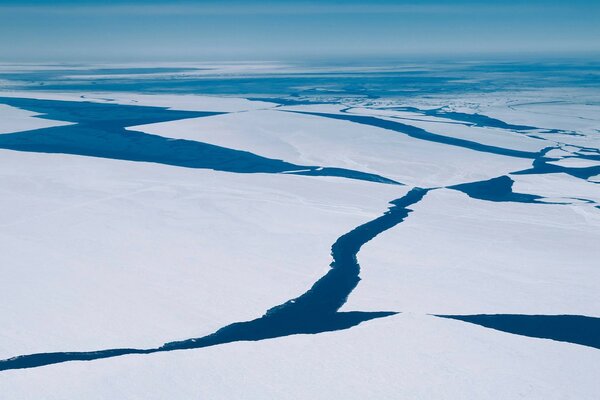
92, 30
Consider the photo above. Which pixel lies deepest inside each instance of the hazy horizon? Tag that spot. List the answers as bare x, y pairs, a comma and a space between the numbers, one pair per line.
129, 31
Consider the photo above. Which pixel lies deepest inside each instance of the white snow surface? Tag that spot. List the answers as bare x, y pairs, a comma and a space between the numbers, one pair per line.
458, 255
314, 140
573, 162
14, 119
446, 127
98, 254
407, 356
560, 186
171, 101
102, 253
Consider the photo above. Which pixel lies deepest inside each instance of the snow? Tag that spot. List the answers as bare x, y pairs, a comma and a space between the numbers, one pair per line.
102, 253
175, 102
446, 127
573, 109
14, 120
457, 255
573, 162
557, 153
555, 115
560, 186
408, 356
314, 140
98, 253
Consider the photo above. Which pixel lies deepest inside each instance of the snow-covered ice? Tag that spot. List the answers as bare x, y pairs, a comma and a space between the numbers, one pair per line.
100, 253
314, 140
404, 356
124, 254
457, 255
14, 120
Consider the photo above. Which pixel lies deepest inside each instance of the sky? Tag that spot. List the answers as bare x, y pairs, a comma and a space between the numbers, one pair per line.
159, 30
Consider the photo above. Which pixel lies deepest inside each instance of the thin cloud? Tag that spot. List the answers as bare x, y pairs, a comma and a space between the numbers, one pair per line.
261, 9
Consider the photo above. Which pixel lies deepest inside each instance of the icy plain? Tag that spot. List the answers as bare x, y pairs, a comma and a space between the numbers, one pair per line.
339, 246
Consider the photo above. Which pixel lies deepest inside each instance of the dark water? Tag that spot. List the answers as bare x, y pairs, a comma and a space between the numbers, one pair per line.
497, 189
541, 166
314, 311
100, 132
575, 329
